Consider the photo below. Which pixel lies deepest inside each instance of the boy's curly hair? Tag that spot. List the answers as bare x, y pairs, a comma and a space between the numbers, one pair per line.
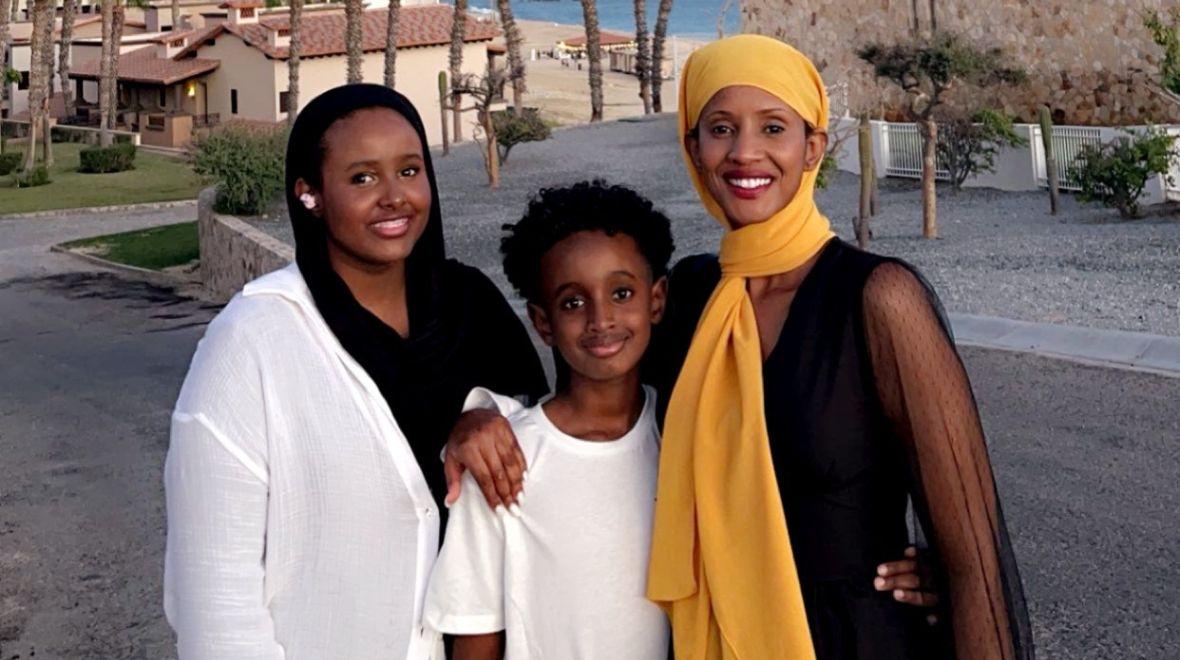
554, 214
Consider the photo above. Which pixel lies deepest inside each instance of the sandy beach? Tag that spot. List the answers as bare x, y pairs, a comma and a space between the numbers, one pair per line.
562, 92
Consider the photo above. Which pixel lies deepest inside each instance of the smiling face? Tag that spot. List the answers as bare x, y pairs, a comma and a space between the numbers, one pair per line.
751, 150
598, 304
374, 195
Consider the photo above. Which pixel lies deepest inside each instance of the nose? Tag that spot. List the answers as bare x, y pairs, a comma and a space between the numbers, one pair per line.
746, 147
601, 317
392, 195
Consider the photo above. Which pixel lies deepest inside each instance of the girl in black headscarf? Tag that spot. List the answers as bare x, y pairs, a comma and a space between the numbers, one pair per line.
303, 476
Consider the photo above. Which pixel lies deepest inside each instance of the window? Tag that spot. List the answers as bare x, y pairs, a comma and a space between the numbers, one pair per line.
163, 97
24, 80
247, 12
284, 101
233, 101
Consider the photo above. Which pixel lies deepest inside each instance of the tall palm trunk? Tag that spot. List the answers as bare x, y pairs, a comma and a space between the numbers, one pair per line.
514, 41
37, 81
643, 57
5, 9
657, 54
353, 34
594, 55
105, 75
458, 32
69, 12
47, 9
175, 15
294, 52
391, 42
116, 50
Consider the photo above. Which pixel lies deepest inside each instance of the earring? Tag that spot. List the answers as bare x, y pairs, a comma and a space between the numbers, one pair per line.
308, 200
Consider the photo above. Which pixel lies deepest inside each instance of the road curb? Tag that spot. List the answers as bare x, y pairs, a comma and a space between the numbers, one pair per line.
152, 276
149, 206
1120, 349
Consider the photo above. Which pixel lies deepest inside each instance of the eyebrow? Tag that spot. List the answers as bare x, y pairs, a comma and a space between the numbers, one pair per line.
764, 111
567, 285
373, 162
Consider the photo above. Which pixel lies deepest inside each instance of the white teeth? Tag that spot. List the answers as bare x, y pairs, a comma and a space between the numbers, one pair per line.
750, 183
393, 224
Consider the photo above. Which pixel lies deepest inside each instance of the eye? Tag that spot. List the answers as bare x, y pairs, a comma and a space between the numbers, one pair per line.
363, 178
720, 129
623, 294
572, 303
409, 172
775, 129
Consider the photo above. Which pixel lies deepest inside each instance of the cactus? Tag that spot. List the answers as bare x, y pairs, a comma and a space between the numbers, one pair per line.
1050, 161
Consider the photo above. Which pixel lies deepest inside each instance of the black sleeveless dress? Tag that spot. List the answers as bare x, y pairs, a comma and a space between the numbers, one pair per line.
844, 464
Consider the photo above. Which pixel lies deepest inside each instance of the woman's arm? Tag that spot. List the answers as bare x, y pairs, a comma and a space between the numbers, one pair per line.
216, 486
925, 392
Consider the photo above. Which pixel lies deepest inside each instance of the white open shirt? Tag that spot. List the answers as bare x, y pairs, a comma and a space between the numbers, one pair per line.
300, 525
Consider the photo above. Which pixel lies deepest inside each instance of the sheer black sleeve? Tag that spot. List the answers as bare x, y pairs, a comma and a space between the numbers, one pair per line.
926, 395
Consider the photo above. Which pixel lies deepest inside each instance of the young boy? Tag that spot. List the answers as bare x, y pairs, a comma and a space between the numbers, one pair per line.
562, 576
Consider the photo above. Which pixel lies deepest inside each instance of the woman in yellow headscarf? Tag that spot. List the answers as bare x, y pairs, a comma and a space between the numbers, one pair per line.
814, 390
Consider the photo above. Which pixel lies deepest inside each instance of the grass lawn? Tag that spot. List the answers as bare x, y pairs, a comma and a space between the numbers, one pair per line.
156, 178
156, 248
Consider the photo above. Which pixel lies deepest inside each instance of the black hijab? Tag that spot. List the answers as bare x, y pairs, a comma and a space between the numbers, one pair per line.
462, 331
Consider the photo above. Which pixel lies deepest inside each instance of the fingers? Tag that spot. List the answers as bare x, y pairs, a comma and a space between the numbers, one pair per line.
907, 581
513, 469
483, 476
911, 552
918, 598
892, 568
454, 472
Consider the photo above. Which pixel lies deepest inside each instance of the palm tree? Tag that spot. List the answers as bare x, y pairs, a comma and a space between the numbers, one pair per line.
594, 54
293, 52
514, 41
353, 35
69, 12
5, 9
391, 42
116, 41
45, 64
657, 54
643, 57
458, 32
106, 77
38, 82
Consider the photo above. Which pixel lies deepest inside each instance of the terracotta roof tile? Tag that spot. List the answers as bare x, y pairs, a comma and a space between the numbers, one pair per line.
143, 66
605, 39
323, 33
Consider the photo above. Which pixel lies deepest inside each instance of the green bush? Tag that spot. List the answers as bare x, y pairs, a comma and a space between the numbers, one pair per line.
9, 162
38, 176
969, 146
827, 167
1116, 173
513, 129
100, 160
245, 164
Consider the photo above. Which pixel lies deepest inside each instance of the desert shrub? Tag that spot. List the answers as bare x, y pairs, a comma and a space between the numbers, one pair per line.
969, 146
38, 176
827, 167
9, 162
1115, 174
513, 129
101, 160
245, 164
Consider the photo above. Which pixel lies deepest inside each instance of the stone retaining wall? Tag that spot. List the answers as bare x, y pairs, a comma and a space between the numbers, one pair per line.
1089, 60
233, 252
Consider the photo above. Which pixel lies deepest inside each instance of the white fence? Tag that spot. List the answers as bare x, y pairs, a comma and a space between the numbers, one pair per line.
903, 143
1068, 143
897, 151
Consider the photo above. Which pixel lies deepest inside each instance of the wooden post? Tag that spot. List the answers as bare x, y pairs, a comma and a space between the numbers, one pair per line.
442, 108
864, 139
1050, 161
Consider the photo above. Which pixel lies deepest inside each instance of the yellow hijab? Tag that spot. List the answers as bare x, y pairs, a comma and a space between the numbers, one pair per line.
721, 562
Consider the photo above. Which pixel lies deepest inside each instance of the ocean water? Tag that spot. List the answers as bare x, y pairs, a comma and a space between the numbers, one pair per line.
689, 18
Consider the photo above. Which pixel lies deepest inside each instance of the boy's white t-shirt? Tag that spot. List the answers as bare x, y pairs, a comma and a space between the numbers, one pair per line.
566, 580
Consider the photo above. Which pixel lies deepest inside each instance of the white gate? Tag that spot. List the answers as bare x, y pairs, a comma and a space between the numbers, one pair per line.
903, 151
1172, 183
1068, 142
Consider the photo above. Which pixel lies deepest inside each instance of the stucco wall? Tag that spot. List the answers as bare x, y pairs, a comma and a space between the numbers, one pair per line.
233, 252
1081, 57
245, 69
417, 78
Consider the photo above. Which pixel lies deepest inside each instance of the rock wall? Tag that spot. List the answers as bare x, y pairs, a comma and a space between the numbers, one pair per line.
233, 252
1089, 60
